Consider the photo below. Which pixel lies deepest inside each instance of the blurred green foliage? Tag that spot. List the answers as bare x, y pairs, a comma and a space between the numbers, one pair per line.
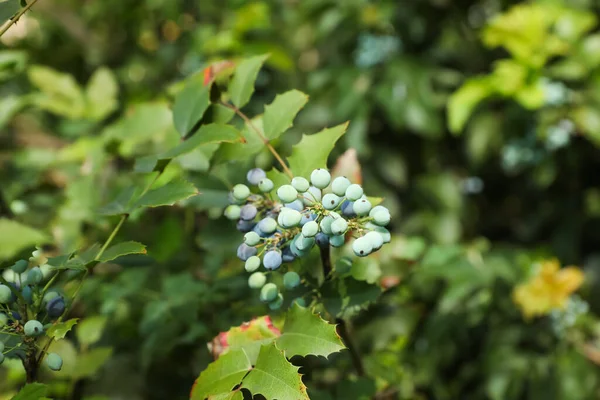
477, 120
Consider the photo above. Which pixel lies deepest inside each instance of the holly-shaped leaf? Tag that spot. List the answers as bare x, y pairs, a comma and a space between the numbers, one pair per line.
250, 336
60, 330
122, 249
275, 377
221, 376
242, 84
312, 151
167, 195
190, 105
305, 333
31, 391
251, 145
280, 114
16, 237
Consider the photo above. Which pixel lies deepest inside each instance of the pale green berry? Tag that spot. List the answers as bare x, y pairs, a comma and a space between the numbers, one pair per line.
381, 215
339, 226
339, 185
287, 193
289, 218
257, 280
354, 192
5, 294
376, 239
300, 184
268, 292
304, 243
33, 328
361, 207
362, 247
252, 264
310, 229
320, 178
265, 185
291, 280
276, 304
233, 212
337, 240
311, 196
54, 361
252, 238
331, 201
240, 191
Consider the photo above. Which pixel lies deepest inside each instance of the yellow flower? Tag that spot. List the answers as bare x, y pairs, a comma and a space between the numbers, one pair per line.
548, 290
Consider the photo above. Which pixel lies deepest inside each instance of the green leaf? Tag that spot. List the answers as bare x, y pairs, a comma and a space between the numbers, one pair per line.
250, 337
221, 376
211, 133
90, 330
120, 205
190, 105
60, 330
274, 377
305, 333
280, 114
101, 94
31, 391
88, 364
464, 100
242, 84
167, 195
8, 8
16, 237
252, 144
313, 150
122, 249
60, 93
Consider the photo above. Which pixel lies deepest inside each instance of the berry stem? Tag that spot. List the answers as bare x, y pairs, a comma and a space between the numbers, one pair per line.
326, 262
262, 137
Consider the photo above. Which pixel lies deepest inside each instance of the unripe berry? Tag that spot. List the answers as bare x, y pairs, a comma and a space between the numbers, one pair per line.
295, 205
1, 358
27, 294
381, 215
354, 192
300, 184
276, 304
300, 301
337, 240
233, 212
310, 229
339, 226
252, 264
304, 243
320, 178
54, 361
56, 307
362, 247
3, 320
20, 266
289, 218
240, 192
387, 237
287, 193
272, 260
375, 238
252, 238
34, 276
361, 207
5, 295
268, 292
255, 175
311, 196
1, 346
257, 280
33, 328
266, 185
267, 225
331, 201
291, 280
339, 185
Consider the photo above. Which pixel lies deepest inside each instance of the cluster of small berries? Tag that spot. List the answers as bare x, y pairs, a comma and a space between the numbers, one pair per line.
23, 293
318, 212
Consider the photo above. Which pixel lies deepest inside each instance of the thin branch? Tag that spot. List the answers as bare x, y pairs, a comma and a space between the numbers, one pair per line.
262, 137
16, 17
349, 342
111, 237
326, 262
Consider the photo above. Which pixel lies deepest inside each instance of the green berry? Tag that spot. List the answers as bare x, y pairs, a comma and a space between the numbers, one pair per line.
362, 246
291, 280
1, 346
289, 218
339, 185
240, 191
3, 320
54, 361
251, 238
330, 201
265, 185
233, 212
5, 294
287, 193
20, 266
276, 304
1, 358
339, 226
257, 280
361, 207
49, 296
387, 237
326, 222
34, 276
252, 264
311, 196
300, 184
304, 243
300, 301
310, 229
354, 192
320, 178
268, 292
381, 215
375, 238
337, 240
343, 265
33, 328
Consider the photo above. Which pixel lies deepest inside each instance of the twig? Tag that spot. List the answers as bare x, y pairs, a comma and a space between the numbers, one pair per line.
16, 17
347, 339
262, 137
326, 262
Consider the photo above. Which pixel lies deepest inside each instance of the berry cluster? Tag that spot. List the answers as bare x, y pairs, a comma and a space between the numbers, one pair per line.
24, 302
318, 212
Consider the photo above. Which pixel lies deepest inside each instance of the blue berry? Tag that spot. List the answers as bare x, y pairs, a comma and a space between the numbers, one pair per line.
291, 280
252, 238
54, 361
304, 243
320, 178
339, 185
381, 215
245, 226
34, 276
295, 205
20, 266
310, 229
311, 196
240, 192
276, 304
307, 217
300, 184
33, 328
257, 280
331, 201
252, 264
268, 292
244, 251
6, 295
267, 225
337, 240
348, 209
354, 192
287, 255
233, 212
272, 260
49, 296
266, 185
248, 212
287, 193
56, 307
339, 226
322, 240
15, 315
375, 238
255, 175
362, 246
361, 207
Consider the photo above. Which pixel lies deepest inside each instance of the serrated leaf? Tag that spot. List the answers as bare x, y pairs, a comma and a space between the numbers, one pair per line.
252, 144
122, 249
120, 205
211, 133
221, 376
15, 237
275, 377
8, 8
280, 114
251, 336
60, 330
167, 195
59, 262
312, 150
305, 333
101, 94
242, 84
31, 391
190, 105
357, 296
